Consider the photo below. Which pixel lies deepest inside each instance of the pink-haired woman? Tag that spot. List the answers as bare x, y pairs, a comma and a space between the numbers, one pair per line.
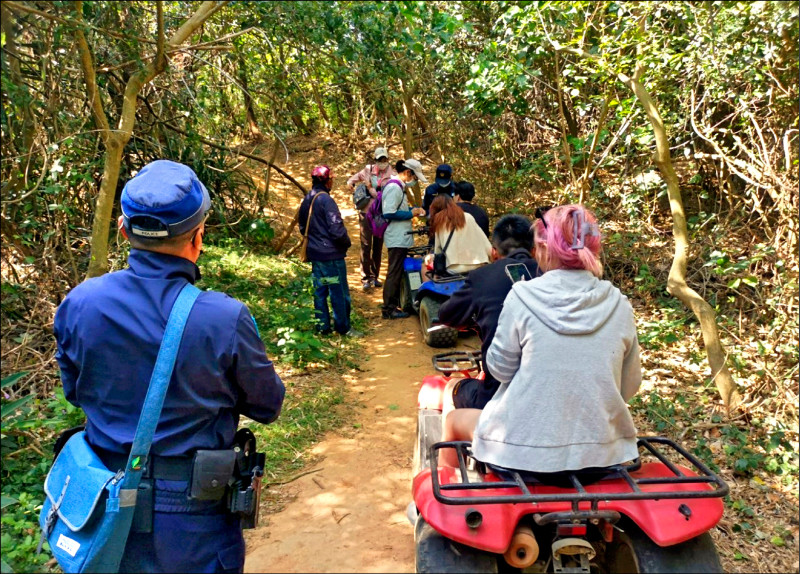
567, 357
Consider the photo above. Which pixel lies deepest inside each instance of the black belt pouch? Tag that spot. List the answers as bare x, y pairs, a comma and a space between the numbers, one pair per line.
145, 504
211, 471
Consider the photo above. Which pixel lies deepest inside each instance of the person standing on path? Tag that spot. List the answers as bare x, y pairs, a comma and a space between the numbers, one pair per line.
397, 211
374, 176
328, 243
108, 332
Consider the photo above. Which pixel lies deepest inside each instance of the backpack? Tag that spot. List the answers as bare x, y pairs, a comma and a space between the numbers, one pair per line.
377, 222
361, 196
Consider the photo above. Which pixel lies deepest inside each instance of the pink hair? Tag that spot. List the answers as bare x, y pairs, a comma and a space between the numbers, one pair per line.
553, 243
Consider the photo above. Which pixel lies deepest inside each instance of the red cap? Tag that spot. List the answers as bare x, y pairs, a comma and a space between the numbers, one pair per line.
322, 172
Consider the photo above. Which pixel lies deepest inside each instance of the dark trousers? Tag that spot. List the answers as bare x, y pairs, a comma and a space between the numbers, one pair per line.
371, 250
330, 279
394, 275
182, 542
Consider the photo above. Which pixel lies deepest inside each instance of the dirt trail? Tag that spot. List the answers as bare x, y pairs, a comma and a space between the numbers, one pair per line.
351, 515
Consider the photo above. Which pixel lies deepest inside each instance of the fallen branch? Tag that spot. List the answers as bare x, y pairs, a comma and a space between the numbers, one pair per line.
295, 477
288, 231
339, 520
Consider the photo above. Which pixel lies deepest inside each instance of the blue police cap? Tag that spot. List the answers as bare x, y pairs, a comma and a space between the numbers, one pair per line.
164, 199
444, 174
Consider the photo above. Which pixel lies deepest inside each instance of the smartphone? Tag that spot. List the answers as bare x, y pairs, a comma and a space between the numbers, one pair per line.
518, 272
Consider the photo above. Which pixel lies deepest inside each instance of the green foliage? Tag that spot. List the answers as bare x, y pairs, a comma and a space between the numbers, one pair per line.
27, 437
660, 333
278, 293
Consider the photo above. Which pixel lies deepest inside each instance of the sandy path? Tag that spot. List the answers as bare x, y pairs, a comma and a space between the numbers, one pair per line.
350, 516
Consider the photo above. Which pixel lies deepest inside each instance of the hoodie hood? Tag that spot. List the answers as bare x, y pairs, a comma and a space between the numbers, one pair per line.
568, 301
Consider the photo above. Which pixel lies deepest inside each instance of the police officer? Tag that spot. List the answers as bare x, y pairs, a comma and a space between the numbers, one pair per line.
109, 331
442, 184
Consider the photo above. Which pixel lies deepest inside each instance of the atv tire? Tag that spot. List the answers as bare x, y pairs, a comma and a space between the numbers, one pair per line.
435, 553
406, 303
633, 551
428, 313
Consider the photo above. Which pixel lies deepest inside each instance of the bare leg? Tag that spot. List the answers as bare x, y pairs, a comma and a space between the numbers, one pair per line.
459, 425
447, 400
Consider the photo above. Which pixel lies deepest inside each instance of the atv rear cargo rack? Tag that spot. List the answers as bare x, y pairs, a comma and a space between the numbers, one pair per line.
512, 479
457, 362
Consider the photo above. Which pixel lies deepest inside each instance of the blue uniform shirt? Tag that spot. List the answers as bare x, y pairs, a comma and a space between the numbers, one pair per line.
109, 330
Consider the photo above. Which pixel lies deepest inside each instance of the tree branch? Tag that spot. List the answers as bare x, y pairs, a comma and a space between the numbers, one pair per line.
240, 153
70, 22
87, 64
161, 57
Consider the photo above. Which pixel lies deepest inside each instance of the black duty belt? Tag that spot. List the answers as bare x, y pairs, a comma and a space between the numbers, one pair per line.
157, 467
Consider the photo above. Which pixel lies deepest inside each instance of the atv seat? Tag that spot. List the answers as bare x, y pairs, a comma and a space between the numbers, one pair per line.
564, 479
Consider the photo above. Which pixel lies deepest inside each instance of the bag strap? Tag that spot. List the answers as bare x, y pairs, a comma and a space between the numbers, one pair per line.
311, 212
449, 237
159, 382
402, 190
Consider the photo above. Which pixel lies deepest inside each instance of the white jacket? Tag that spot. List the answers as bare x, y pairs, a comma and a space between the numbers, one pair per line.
567, 356
467, 249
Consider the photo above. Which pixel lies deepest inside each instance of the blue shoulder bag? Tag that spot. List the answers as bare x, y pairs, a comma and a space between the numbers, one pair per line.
88, 508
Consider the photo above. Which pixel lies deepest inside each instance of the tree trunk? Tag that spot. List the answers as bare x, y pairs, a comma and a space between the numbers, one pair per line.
252, 122
408, 139
98, 264
563, 113
273, 154
318, 100
676, 282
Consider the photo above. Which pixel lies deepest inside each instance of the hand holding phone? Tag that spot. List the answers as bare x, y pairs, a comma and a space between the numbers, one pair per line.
518, 272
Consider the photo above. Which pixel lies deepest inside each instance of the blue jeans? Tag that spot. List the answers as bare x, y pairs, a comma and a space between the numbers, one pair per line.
330, 278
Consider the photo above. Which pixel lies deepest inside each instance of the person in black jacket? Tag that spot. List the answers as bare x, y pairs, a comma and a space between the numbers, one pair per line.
328, 243
465, 193
481, 299
443, 184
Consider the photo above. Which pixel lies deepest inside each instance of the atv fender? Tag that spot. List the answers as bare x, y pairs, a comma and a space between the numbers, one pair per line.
661, 520
431, 391
438, 290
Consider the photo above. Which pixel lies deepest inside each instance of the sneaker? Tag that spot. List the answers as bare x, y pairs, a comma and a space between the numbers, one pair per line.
366, 285
376, 283
396, 314
354, 334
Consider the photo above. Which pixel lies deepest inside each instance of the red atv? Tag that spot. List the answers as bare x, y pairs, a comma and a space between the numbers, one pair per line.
651, 515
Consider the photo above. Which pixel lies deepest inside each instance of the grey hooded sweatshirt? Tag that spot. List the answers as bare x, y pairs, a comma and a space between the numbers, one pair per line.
567, 356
